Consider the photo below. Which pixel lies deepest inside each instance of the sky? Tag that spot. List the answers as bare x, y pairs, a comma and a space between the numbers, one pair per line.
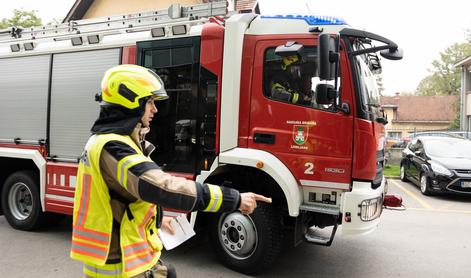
422, 29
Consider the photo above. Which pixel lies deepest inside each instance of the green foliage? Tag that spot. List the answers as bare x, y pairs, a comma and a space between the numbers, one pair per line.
21, 18
392, 170
445, 78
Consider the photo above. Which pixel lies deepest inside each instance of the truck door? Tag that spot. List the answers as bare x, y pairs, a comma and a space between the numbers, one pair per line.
174, 129
313, 140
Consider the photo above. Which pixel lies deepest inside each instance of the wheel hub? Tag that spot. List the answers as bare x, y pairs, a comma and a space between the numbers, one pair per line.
238, 235
20, 201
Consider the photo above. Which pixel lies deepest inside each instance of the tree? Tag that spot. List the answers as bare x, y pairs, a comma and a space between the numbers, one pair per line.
445, 78
21, 18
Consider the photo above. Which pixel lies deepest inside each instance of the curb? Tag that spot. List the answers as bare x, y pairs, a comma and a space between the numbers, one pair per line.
392, 177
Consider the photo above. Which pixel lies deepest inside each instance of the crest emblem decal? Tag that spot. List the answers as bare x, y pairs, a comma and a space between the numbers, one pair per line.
300, 134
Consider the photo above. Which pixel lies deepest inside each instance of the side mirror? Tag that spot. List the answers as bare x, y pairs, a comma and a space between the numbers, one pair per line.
328, 56
325, 94
288, 49
390, 54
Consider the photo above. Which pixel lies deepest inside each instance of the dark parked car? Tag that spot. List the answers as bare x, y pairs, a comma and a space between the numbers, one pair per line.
438, 164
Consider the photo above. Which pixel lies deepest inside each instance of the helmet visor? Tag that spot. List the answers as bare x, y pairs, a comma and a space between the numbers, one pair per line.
159, 94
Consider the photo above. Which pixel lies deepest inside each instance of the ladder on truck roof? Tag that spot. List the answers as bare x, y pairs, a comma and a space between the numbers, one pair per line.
173, 16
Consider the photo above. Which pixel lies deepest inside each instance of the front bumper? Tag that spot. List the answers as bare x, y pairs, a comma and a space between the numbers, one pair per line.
361, 208
456, 184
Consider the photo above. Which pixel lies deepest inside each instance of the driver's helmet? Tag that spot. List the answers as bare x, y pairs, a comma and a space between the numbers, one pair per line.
292, 65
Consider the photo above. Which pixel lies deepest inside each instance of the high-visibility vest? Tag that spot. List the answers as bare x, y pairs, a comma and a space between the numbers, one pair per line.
93, 218
294, 95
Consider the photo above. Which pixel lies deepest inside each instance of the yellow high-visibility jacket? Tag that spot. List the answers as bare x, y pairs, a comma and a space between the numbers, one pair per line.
139, 244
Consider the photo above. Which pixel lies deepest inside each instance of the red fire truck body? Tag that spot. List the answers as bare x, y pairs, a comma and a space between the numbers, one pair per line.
321, 161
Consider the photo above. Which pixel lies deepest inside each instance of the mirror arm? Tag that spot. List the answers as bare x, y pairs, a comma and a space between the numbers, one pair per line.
381, 120
372, 49
349, 32
345, 108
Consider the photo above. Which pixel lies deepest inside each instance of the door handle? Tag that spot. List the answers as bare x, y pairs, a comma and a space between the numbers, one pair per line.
264, 138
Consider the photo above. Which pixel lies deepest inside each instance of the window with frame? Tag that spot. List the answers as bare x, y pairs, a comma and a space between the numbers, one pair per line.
292, 81
395, 135
367, 84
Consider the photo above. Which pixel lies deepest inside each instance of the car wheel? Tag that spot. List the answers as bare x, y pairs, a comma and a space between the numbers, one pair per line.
247, 243
424, 184
403, 173
21, 202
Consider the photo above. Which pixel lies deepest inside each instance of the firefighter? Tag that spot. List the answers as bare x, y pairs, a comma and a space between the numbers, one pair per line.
287, 86
120, 191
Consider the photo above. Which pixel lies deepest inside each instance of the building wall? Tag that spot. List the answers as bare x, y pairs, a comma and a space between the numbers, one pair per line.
468, 103
244, 4
101, 8
389, 112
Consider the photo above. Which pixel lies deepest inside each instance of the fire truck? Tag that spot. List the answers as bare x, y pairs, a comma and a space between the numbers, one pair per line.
319, 159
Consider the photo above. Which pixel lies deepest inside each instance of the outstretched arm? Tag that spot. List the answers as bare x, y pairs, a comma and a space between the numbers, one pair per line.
128, 172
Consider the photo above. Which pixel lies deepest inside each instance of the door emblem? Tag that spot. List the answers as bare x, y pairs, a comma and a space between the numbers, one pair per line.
300, 134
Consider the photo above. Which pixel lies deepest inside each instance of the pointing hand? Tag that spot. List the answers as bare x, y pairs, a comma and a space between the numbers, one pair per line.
248, 201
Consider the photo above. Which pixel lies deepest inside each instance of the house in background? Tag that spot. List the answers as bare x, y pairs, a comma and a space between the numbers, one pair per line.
83, 9
409, 114
465, 103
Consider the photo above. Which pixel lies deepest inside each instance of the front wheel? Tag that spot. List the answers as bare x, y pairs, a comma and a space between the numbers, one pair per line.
21, 201
425, 184
403, 173
247, 243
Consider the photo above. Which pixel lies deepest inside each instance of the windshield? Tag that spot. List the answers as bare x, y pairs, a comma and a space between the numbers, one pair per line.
449, 148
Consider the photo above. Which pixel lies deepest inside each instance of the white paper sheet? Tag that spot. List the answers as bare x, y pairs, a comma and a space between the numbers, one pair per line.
183, 231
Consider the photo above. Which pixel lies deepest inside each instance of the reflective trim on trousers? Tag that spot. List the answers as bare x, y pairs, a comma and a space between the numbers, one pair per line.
113, 270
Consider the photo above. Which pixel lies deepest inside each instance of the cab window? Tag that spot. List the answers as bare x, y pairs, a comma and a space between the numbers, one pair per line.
367, 86
292, 79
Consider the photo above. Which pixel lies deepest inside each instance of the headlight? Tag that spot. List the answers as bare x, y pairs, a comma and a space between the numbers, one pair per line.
439, 169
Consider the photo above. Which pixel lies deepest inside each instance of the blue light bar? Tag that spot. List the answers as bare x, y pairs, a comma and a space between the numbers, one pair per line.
311, 19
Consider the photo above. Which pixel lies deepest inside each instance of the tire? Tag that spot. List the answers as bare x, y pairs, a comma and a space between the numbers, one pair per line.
21, 201
403, 173
256, 240
425, 184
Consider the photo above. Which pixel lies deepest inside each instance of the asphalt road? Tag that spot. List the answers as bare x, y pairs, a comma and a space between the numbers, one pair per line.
430, 239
